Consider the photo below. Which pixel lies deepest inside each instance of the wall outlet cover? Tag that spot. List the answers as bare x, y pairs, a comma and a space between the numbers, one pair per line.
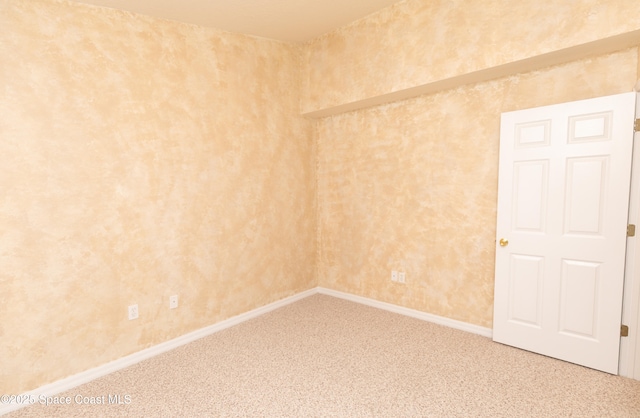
133, 311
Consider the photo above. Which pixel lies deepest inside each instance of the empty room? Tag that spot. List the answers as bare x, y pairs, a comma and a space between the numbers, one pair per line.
319, 208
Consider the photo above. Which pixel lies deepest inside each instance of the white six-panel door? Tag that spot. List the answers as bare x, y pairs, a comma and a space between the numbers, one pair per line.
563, 198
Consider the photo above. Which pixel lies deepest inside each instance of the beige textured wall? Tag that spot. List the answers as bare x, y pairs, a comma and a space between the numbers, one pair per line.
141, 158
417, 42
412, 186
638, 74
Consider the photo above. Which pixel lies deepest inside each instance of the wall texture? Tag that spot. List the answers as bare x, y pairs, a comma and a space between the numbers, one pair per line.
417, 42
412, 186
141, 158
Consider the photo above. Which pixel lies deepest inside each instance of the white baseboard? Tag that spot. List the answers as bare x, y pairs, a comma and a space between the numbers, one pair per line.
76, 380
440, 320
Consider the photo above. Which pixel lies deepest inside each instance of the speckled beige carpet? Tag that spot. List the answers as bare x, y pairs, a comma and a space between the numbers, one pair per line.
329, 357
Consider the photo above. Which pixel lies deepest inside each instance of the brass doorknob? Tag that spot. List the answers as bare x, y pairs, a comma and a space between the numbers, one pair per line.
504, 242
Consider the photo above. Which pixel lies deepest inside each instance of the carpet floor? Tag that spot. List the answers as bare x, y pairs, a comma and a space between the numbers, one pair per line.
327, 357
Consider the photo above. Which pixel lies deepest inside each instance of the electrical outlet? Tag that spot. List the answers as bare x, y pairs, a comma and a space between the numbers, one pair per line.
401, 277
133, 311
394, 276
173, 302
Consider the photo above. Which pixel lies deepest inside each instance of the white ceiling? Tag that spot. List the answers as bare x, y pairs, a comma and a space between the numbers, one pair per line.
285, 20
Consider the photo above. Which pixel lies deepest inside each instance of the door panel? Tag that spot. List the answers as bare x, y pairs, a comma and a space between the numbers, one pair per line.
563, 198
586, 180
530, 195
595, 127
526, 289
578, 307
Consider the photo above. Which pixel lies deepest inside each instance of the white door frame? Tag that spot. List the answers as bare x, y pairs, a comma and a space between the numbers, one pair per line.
629, 365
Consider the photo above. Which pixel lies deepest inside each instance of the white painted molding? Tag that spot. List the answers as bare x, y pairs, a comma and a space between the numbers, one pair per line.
440, 320
76, 380
629, 363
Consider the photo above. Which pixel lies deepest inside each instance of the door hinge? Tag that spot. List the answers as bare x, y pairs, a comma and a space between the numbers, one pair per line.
636, 126
631, 230
624, 330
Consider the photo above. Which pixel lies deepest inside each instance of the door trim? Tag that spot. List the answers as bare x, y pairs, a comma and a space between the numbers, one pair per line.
629, 363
